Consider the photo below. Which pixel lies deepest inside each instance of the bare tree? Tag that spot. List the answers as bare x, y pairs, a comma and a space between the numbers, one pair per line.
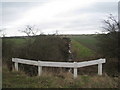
111, 24
108, 44
30, 30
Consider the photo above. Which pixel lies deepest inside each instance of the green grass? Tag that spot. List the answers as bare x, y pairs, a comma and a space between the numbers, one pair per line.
87, 40
62, 80
81, 51
16, 41
19, 41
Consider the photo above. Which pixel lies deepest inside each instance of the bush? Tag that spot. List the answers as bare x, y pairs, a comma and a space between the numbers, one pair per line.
48, 48
8, 51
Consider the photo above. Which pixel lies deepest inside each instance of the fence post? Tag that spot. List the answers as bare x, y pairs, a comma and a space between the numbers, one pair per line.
16, 64
75, 69
39, 68
100, 69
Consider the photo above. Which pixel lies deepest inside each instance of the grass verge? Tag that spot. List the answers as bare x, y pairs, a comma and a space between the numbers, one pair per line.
62, 80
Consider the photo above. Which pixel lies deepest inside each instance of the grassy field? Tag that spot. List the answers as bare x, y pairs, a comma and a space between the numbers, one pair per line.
83, 46
87, 40
18, 41
81, 51
50, 80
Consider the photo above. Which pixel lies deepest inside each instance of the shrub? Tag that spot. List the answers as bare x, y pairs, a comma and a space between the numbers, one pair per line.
48, 48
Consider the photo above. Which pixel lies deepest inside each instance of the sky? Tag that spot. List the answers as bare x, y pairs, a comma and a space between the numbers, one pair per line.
65, 16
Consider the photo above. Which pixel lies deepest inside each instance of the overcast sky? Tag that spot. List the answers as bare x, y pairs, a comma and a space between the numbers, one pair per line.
65, 16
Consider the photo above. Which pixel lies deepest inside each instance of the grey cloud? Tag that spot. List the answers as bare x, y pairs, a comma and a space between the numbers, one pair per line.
101, 7
119, 11
0, 13
14, 10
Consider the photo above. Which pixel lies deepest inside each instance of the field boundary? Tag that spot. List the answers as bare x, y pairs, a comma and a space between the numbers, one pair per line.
73, 65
